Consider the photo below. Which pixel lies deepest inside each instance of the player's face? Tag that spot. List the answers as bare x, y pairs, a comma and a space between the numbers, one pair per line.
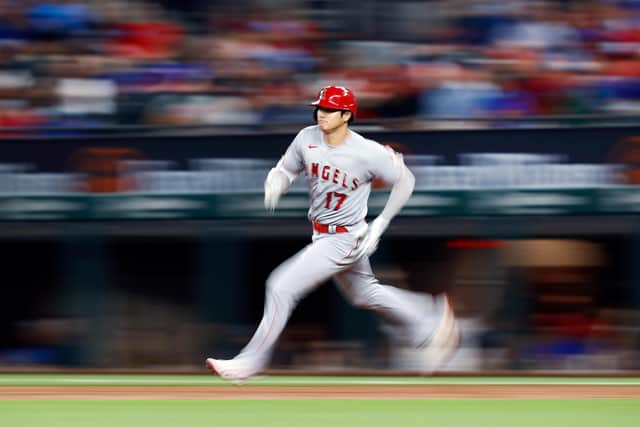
329, 120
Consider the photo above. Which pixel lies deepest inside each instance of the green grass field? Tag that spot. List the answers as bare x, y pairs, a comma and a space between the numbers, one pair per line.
311, 413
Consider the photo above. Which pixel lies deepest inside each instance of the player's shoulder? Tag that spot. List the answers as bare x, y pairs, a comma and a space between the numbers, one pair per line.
309, 130
366, 143
360, 139
307, 133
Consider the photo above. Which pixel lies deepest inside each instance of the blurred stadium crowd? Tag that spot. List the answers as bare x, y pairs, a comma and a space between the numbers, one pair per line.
249, 62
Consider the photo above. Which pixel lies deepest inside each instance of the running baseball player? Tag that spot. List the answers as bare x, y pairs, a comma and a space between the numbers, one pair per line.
340, 166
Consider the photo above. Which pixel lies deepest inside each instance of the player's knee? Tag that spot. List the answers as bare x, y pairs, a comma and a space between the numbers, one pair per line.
364, 300
276, 285
367, 299
272, 282
360, 301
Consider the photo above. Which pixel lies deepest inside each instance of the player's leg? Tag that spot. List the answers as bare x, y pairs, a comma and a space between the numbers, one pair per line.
286, 285
403, 310
416, 319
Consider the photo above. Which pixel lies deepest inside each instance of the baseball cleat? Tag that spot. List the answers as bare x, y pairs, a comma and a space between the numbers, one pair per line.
231, 370
444, 341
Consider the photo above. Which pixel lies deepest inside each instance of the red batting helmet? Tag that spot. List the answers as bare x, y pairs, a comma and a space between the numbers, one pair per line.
336, 98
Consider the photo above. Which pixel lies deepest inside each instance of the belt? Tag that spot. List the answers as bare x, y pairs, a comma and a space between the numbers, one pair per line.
331, 229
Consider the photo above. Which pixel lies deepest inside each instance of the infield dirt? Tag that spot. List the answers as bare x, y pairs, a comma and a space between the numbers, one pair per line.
321, 392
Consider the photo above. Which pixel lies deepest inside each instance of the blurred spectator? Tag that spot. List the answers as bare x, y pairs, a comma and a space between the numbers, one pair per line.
467, 94
14, 118
88, 62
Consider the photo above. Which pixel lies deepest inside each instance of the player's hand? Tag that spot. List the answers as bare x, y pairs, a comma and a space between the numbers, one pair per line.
275, 185
369, 242
376, 228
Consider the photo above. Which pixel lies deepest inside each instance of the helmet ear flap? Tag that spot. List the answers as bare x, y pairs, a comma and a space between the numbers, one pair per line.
350, 116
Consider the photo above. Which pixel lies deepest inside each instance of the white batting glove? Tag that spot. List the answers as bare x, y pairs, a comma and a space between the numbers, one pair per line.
374, 232
275, 186
369, 242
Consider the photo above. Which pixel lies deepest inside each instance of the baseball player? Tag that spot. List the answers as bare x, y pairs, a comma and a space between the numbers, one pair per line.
340, 166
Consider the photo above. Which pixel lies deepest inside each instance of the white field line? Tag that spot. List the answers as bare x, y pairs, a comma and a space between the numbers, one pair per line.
321, 381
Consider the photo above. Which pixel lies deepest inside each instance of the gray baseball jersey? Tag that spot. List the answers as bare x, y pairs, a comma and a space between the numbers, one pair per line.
339, 177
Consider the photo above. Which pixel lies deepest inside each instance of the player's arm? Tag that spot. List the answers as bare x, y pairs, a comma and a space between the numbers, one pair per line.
278, 181
400, 193
403, 183
280, 177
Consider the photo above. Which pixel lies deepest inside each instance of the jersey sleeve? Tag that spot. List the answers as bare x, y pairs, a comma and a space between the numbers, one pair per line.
386, 164
292, 159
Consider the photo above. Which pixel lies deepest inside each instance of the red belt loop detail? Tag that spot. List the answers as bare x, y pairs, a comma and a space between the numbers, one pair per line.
323, 228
